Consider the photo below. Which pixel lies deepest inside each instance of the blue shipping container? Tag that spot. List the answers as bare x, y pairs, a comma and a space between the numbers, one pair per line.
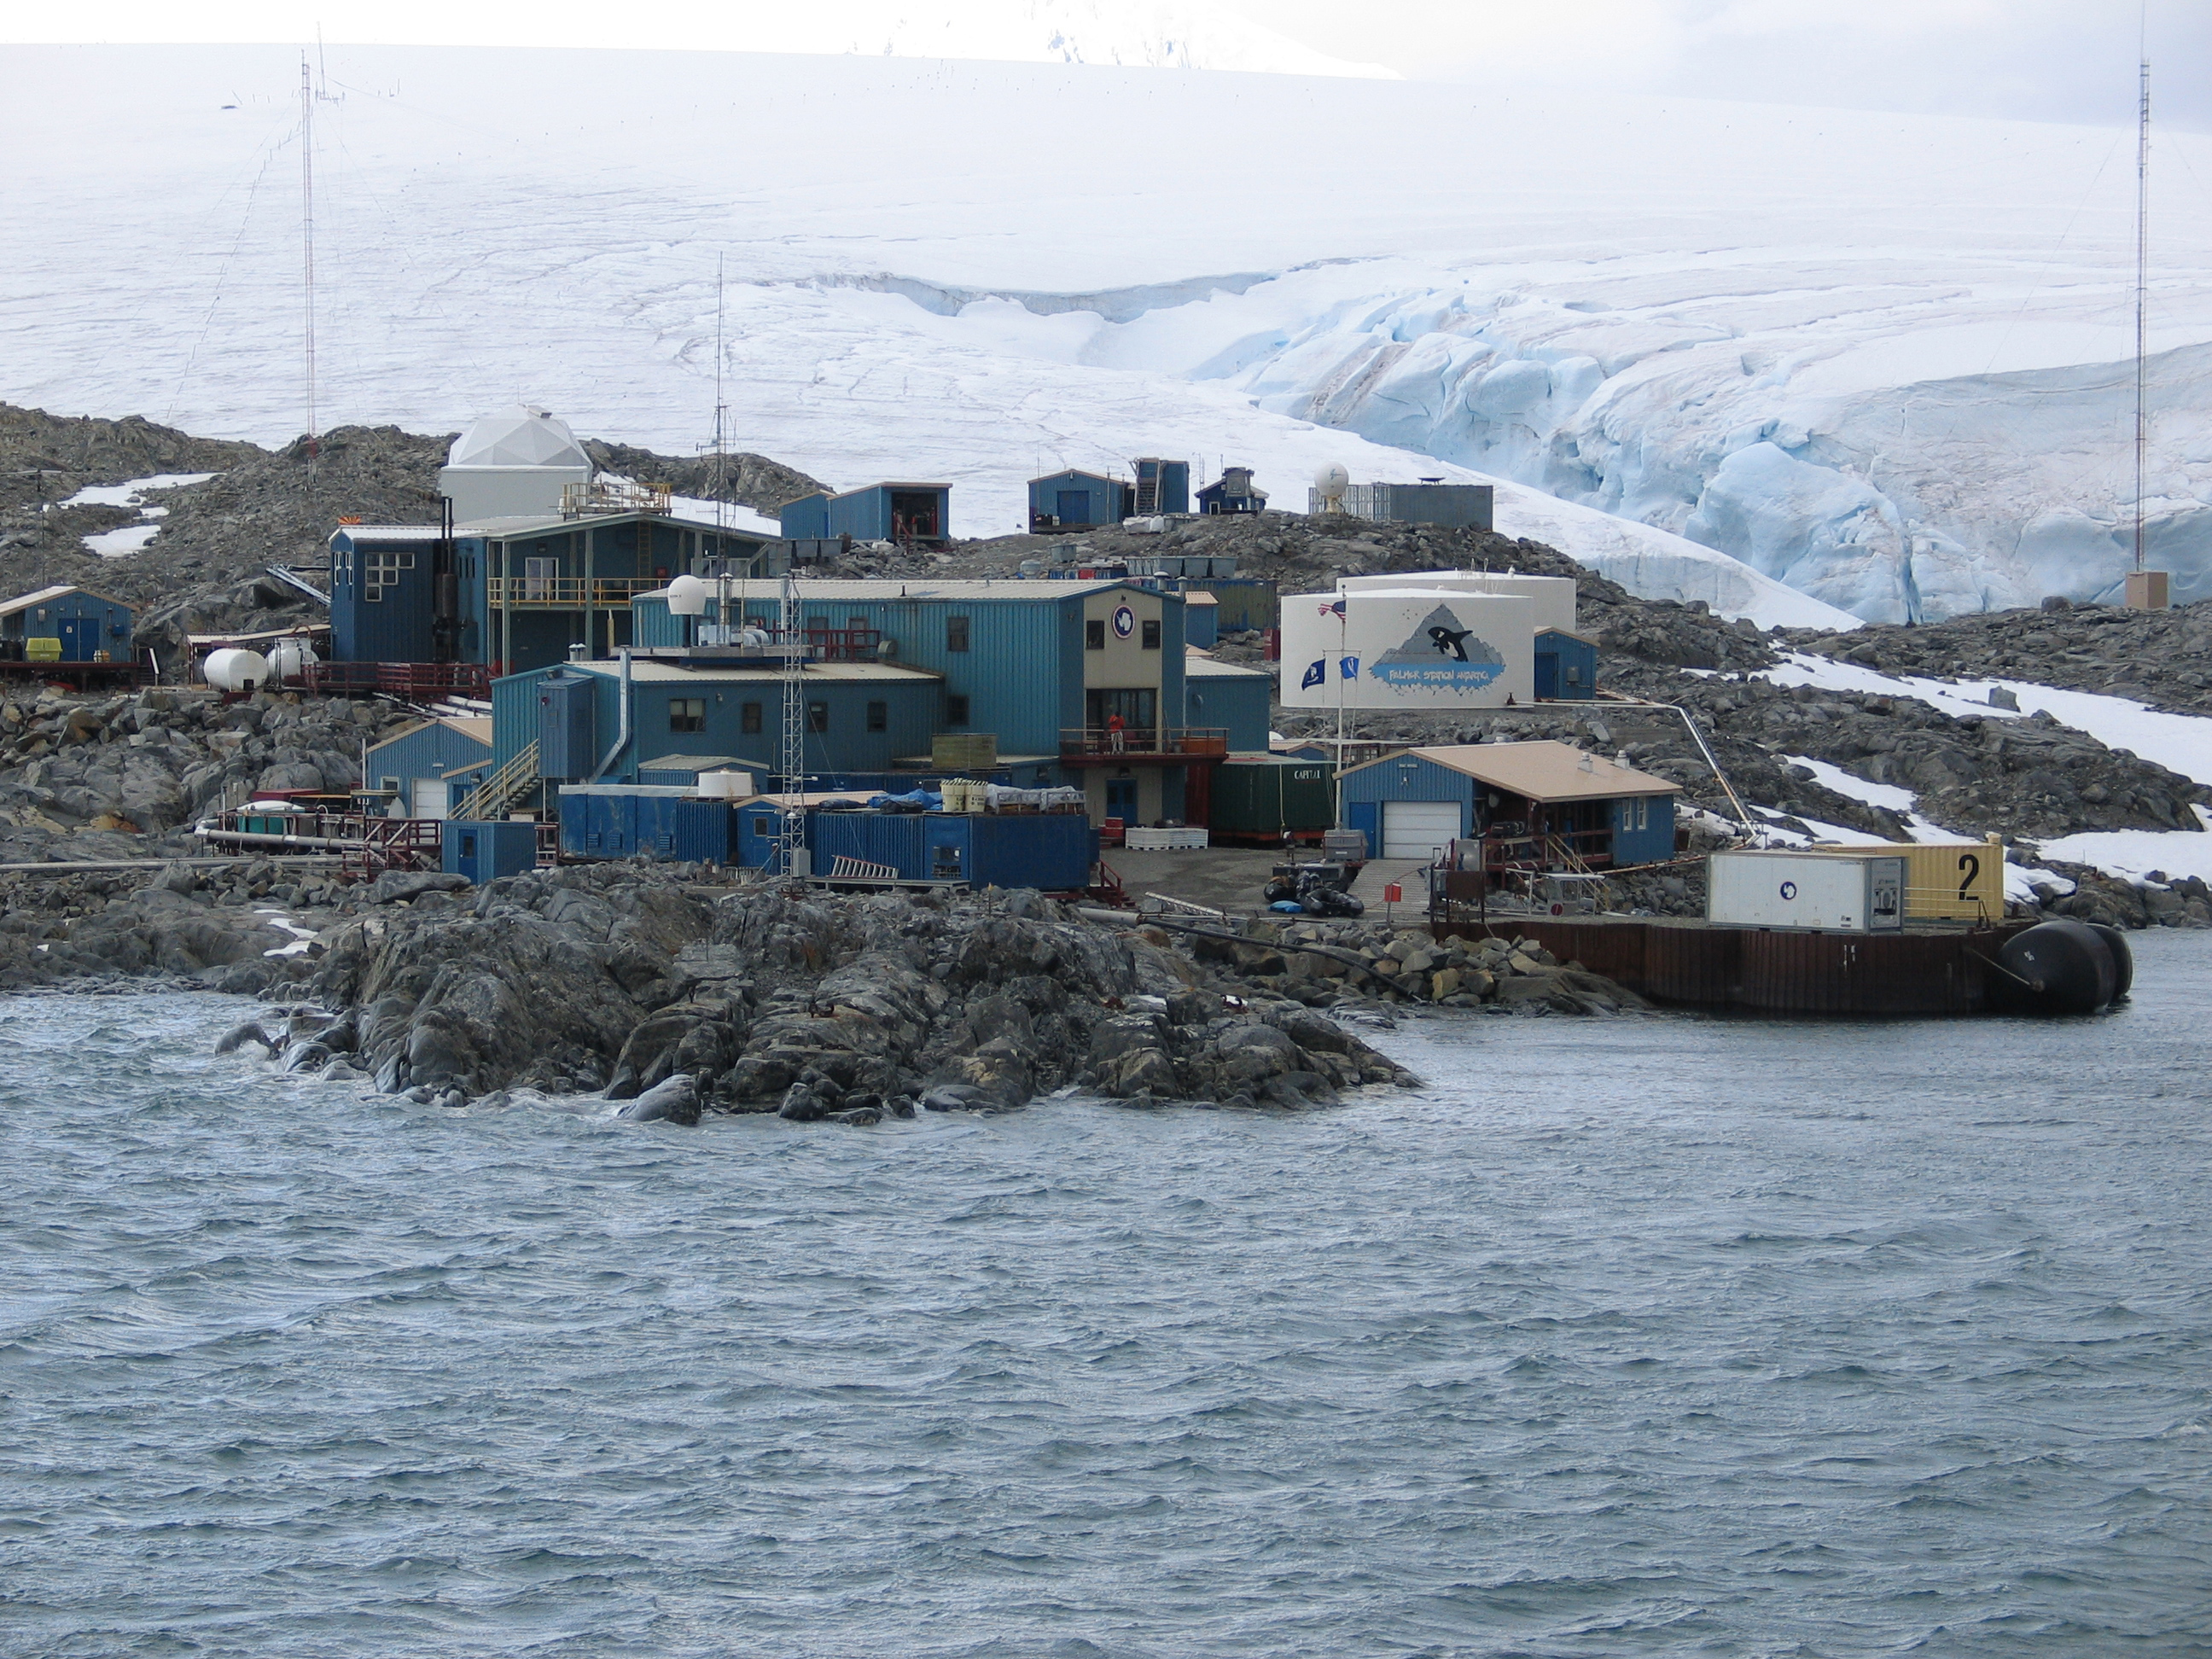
1051, 851
486, 851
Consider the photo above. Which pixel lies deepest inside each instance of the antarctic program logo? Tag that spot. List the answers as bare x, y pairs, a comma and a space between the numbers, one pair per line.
1440, 654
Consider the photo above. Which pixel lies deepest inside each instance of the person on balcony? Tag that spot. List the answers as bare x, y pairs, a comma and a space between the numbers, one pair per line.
1117, 730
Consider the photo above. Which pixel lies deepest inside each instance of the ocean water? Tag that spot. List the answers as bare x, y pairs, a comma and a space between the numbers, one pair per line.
1649, 1336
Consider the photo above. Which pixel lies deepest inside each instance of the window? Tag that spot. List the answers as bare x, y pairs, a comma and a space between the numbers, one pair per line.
381, 569
687, 714
1152, 635
1094, 635
856, 623
748, 718
538, 576
956, 633
880, 717
956, 711
817, 717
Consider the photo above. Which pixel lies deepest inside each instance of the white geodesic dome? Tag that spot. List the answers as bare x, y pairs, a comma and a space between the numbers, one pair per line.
519, 437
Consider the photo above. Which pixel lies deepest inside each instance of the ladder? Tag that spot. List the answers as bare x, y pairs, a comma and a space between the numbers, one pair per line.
491, 799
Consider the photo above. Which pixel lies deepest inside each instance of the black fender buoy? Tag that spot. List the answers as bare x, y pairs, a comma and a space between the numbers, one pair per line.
2123, 959
2062, 966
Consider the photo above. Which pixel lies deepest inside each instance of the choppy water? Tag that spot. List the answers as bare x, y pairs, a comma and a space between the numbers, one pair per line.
1657, 1336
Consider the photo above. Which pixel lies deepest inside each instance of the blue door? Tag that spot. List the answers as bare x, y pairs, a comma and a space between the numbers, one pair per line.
1548, 674
1075, 506
80, 637
1121, 799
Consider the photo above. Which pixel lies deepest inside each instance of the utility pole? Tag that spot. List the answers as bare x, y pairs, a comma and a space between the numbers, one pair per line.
2142, 291
307, 251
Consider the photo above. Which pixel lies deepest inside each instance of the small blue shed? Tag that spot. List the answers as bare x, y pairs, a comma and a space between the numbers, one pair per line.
891, 512
484, 852
1234, 699
805, 518
1066, 500
1564, 800
1566, 665
1162, 486
421, 767
1232, 492
86, 627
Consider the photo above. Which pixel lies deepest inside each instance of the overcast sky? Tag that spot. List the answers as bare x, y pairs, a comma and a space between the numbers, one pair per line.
2063, 60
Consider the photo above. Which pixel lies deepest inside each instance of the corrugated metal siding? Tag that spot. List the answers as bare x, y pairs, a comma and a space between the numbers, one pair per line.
891, 838
1102, 497
434, 749
1410, 779
1652, 843
808, 516
1244, 602
1265, 797
395, 628
1242, 705
485, 852
1053, 852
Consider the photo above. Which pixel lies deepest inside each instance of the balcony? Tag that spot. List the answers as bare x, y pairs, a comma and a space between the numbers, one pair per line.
1142, 745
567, 592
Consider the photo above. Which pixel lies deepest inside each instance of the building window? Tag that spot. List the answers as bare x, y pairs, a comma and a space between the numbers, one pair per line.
537, 578
749, 717
1643, 813
687, 714
956, 711
956, 633
1152, 635
817, 717
1094, 635
381, 569
880, 717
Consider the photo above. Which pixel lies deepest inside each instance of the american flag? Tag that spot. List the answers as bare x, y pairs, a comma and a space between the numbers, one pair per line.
1334, 610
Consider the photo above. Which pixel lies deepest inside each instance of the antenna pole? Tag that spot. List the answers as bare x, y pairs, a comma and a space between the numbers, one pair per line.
2142, 291
307, 250
794, 723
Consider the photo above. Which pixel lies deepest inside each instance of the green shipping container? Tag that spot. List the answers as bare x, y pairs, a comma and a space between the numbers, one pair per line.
1255, 795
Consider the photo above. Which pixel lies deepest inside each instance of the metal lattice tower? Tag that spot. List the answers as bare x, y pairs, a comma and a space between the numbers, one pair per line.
2142, 291
795, 719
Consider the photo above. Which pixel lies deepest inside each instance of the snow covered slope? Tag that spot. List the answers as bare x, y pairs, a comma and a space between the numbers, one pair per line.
1861, 352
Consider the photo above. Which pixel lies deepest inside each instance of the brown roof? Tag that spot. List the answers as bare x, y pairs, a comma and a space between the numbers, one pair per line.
1538, 770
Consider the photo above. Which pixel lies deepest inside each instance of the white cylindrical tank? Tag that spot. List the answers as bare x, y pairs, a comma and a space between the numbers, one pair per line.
290, 658
1553, 597
236, 671
1428, 649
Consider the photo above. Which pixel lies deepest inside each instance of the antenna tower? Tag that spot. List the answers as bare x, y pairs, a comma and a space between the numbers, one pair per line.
794, 721
307, 250
2142, 289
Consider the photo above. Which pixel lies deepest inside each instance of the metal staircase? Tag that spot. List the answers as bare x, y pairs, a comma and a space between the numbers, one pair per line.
497, 795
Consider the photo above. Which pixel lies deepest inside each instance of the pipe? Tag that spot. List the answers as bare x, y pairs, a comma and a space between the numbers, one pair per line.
622, 733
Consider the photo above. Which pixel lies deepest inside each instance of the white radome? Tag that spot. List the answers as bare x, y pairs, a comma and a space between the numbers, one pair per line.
1332, 480
687, 597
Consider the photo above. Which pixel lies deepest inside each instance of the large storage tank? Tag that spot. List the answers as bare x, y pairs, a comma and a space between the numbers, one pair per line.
512, 465
1832, 892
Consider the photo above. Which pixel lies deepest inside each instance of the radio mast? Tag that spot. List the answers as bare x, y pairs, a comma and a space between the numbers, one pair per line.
307, 251
2142, 291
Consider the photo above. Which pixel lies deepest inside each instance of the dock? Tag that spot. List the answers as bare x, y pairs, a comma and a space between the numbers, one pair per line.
1928, 970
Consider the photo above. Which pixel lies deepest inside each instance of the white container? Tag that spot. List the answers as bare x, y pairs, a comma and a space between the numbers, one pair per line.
1824, 892
725, 785
1166, 840
235, 670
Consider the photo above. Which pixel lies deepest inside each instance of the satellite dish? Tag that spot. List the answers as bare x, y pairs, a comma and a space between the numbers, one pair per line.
1329, 485
687, 597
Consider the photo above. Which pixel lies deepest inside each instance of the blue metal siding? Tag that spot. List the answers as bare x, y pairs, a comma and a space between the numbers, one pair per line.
1566, 666
808, 516
85, 623
429, 752
1102, 497
393, 628
892, 838
485, 852
1242, 705
1652, 844
1243, 601
1202, 625
1404, 777
1050, 851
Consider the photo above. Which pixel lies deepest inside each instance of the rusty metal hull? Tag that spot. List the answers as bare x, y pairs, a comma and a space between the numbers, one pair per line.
1921, 972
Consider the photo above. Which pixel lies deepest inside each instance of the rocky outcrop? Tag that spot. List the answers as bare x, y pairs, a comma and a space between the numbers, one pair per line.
640, 983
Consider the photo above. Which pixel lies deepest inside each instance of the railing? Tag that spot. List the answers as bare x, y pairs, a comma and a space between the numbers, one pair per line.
396, 844
567, 592
1194, 741
613, 495
409, 681
497, 794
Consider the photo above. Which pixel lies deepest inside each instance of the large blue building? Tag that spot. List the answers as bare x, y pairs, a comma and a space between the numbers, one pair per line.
1072, 499
66, 624
1416, 802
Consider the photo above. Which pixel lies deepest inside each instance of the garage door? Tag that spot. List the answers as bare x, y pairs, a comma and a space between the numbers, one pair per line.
1415, 828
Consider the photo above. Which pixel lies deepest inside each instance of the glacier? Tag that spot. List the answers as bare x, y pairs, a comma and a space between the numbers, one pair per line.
1807, 366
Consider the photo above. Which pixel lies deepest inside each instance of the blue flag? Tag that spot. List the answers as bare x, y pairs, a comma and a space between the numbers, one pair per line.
1316, 671
1348, 669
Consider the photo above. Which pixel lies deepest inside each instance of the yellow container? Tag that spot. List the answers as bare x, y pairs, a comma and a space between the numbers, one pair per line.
1945, 881
36, 649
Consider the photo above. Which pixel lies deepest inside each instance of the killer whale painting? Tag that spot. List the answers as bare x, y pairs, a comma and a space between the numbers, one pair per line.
1441, 655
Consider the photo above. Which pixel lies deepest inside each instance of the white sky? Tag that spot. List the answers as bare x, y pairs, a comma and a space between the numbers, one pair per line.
2063, 60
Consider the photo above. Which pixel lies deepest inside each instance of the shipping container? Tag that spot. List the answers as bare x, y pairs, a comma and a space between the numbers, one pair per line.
1831, 892
486, 851
1262, 795
1050, 851
1947, 881
601, 820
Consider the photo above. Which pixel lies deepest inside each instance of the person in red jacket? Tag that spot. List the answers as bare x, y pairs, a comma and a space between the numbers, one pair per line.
1116, 728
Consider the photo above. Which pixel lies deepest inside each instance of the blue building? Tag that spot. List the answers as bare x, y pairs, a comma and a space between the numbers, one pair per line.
1237, 700
1084, 678
1540, 800
1232, 492
878, 512
82, 625
1072, 499
514, 592
1162, 486
1566, 665
427, 769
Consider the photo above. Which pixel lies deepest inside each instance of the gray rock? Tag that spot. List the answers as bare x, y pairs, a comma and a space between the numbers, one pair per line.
675, 1101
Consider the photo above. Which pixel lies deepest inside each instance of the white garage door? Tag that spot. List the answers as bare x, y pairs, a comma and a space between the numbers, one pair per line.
426, 798
1415, 828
